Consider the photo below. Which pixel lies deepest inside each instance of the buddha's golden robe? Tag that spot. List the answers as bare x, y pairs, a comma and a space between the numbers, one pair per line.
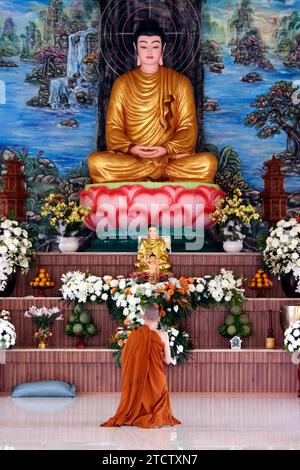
152, 110
159, 248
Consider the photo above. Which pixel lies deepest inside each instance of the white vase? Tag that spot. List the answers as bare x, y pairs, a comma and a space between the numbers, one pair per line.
233, 246
68, 244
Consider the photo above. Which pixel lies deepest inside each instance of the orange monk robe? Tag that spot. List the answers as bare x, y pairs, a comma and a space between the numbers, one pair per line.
152, 110
145, 399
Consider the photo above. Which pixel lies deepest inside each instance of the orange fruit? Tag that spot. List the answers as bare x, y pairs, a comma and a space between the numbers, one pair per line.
120, 342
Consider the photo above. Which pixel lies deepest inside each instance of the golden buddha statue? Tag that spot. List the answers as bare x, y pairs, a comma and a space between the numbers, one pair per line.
151, 124
153, 268
153, 246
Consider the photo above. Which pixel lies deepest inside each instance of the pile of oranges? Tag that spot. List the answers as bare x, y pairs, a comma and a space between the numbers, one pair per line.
260, 280
43, 280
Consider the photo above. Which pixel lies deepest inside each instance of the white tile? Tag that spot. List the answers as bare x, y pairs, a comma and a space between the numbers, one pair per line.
208, 422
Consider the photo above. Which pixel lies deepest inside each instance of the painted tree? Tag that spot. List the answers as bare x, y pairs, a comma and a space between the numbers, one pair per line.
49, 57
277, 112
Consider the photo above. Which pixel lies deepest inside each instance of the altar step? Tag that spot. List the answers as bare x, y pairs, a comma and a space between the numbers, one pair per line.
208, 371
183, 264
202, 325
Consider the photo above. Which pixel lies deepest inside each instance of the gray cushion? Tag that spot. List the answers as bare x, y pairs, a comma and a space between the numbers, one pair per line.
44, 388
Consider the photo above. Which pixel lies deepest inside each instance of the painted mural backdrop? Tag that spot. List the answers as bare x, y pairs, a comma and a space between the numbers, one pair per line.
252, 56
48, 72
49, 86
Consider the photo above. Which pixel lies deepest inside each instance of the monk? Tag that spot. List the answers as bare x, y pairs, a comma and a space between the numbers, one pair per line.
145, 399
151, 124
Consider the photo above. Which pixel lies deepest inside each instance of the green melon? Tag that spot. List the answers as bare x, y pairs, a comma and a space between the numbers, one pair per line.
229, 320
91, 330
79, 308
78, 329
246, 330
69, 330
231, 330
244, 319
236, 309
73, 318
85, 318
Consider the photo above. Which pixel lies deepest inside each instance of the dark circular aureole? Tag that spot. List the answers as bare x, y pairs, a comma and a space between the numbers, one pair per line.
120, 18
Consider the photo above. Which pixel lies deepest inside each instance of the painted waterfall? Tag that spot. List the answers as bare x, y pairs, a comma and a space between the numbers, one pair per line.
49, 79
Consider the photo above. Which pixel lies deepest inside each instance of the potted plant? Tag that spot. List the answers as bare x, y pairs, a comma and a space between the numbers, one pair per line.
66, 218
16, 254
282, 255
234, 218
43, 318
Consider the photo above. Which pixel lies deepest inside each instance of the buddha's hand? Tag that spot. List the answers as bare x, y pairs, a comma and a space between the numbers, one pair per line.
148, 152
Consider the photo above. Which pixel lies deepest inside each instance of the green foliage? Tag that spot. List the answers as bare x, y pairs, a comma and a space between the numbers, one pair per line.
79, 171
229, 160
229, 174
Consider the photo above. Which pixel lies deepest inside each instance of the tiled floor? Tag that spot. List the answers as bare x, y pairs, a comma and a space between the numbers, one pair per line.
208, 422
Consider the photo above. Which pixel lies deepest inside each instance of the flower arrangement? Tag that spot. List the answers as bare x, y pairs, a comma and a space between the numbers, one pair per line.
292, 337
130, 296
178, 338
223, 288
120, 337
127, 297
179, 344
7, 331
5, 271
234, 216
15, 250
83, 287
282, 252
65, 216
43, 318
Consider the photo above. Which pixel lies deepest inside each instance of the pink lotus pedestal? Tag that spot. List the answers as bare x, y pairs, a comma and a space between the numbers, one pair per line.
123, 207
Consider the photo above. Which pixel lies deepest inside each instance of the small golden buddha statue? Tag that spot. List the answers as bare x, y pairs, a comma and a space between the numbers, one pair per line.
153, 268
152, 256
151, 124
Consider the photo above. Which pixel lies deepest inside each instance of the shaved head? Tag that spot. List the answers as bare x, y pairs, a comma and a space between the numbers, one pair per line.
151, 313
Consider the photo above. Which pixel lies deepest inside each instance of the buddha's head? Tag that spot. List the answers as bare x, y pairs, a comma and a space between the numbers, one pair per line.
149, 43
152, 232
152, 258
